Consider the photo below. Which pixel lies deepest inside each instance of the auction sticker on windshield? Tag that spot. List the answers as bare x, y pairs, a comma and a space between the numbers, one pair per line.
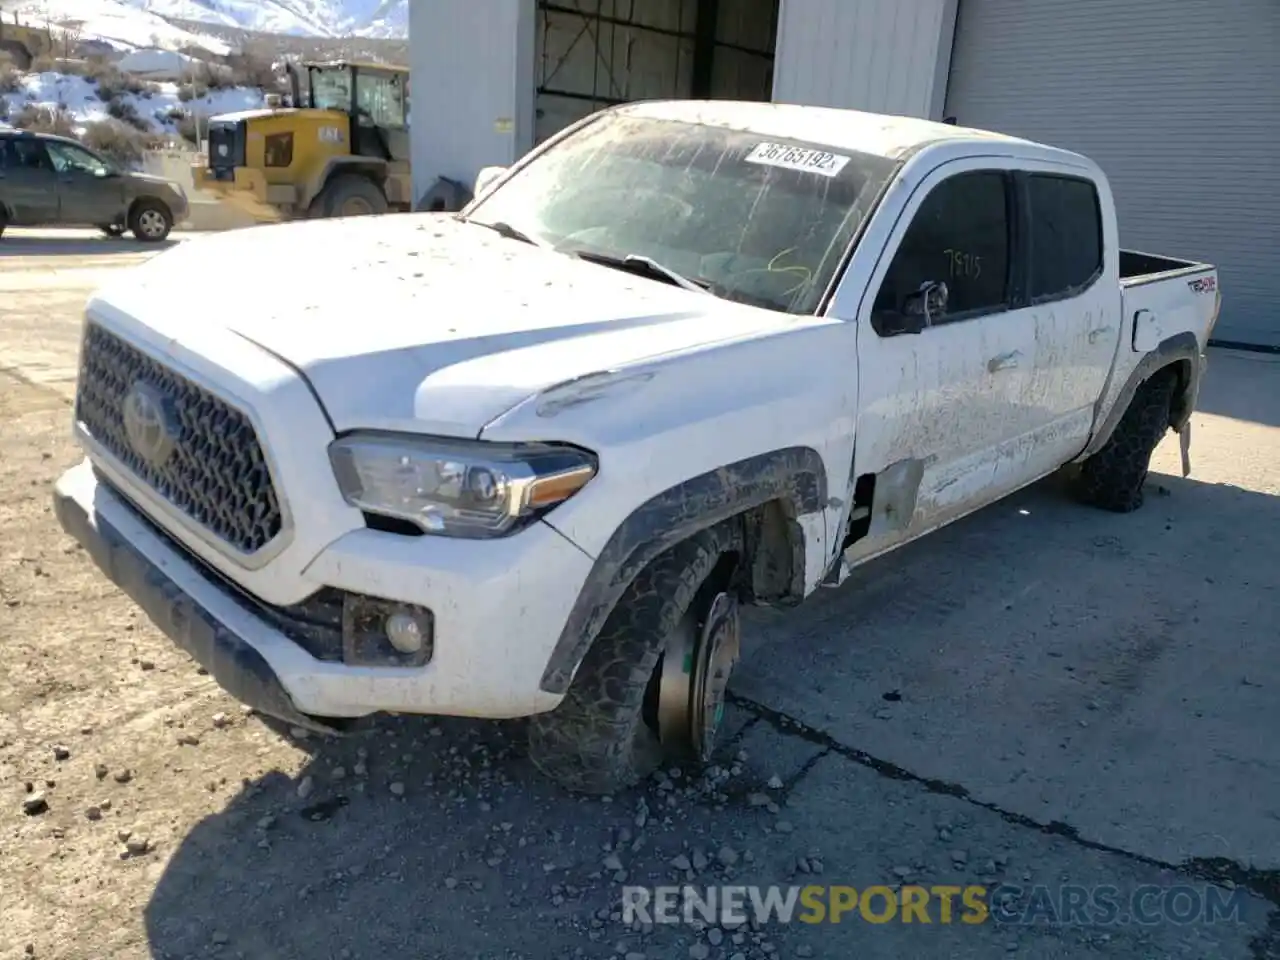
797, 158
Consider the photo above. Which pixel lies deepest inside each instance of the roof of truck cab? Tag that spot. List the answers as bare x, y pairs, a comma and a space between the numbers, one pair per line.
855, 130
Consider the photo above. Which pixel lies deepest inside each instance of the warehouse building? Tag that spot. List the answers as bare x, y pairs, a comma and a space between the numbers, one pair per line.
1178, 100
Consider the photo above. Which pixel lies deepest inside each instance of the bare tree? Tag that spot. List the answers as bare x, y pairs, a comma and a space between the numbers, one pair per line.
72, 32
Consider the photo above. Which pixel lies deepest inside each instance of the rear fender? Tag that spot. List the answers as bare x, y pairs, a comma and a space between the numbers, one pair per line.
1180, 352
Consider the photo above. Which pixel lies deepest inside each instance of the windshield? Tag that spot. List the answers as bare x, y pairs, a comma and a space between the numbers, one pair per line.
755, 219
330, 89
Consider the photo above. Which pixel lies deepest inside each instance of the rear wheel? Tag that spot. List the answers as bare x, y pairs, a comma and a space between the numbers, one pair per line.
653, 683
150, 221
349, 195
1113, 477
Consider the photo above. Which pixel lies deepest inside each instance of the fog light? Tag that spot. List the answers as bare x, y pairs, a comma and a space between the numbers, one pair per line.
386, 633
404, 632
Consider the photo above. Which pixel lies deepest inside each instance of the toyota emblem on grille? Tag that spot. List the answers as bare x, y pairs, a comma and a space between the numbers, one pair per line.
148, 424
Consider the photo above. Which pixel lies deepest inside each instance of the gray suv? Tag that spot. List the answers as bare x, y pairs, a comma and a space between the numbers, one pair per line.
54, 181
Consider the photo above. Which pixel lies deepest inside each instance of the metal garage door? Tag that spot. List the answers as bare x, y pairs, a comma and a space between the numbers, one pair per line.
1179, 104
594, 53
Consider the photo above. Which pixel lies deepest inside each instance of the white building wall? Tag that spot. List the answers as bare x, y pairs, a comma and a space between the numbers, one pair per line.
886, 56
472, 64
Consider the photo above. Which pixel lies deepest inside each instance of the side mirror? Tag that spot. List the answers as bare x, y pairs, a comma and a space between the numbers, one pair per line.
928, 303
919, 311
486, 178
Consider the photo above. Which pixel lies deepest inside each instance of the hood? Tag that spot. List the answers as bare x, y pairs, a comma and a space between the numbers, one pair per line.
420, 322
137, 176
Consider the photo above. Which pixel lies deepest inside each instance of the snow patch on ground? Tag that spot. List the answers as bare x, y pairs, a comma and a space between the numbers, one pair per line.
79, 97
143, 62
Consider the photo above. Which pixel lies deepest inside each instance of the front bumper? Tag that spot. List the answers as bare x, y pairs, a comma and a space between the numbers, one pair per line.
497, 619
230, 658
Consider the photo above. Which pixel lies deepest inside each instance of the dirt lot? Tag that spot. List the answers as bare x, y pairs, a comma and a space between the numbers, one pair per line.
1040, 695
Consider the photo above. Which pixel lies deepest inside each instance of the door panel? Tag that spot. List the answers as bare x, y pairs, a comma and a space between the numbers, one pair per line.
84, 198
28, 184
953, 400
946, 415
86, 191
1077, 308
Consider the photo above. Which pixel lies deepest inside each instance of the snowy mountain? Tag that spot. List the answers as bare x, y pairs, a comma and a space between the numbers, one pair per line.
122, 21
319, 18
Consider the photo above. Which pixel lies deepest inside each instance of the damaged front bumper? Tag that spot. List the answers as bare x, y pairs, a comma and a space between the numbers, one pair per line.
232, 662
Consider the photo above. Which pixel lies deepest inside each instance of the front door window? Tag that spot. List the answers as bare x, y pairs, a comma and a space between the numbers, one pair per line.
380, 98
72, 159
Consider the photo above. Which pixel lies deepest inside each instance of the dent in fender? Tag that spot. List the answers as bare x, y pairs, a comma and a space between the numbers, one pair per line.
794, 475
1181, 346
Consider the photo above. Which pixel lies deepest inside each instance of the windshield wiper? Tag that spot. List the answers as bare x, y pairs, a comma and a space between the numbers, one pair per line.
643, 265
504, 229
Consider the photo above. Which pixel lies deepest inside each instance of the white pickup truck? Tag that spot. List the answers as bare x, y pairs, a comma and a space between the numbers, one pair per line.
530, 459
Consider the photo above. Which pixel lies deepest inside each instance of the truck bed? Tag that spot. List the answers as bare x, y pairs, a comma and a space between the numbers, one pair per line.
1138, 268
1162, 297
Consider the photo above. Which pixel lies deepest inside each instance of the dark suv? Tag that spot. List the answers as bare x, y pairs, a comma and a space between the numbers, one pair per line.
54, 181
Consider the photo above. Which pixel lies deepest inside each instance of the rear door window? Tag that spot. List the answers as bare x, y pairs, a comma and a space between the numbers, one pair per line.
28, 154
1066, 236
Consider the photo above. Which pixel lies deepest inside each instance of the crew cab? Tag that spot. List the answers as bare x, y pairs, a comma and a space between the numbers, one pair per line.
531, 459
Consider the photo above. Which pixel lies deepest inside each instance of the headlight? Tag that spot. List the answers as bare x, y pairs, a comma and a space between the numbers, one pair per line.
457, 488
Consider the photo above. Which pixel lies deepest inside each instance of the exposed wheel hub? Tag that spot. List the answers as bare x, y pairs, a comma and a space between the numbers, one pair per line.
699, 658
151, 223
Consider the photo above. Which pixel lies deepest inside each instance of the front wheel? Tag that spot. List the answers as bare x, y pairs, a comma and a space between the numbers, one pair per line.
349, 195
653, 683
150, 221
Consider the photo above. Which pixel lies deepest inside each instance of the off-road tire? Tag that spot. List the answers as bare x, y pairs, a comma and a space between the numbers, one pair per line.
344, 188
140, 216
599, 741
1113, 478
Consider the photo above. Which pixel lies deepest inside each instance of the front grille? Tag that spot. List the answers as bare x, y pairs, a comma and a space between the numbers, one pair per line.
196, 451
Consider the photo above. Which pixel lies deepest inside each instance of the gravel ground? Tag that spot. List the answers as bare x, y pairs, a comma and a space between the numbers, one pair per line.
1039, 696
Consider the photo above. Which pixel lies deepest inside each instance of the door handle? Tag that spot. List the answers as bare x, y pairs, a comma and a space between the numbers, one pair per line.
1005, 361
1101, 331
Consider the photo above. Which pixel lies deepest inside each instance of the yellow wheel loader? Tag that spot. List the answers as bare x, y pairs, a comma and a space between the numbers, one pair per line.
340, 149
